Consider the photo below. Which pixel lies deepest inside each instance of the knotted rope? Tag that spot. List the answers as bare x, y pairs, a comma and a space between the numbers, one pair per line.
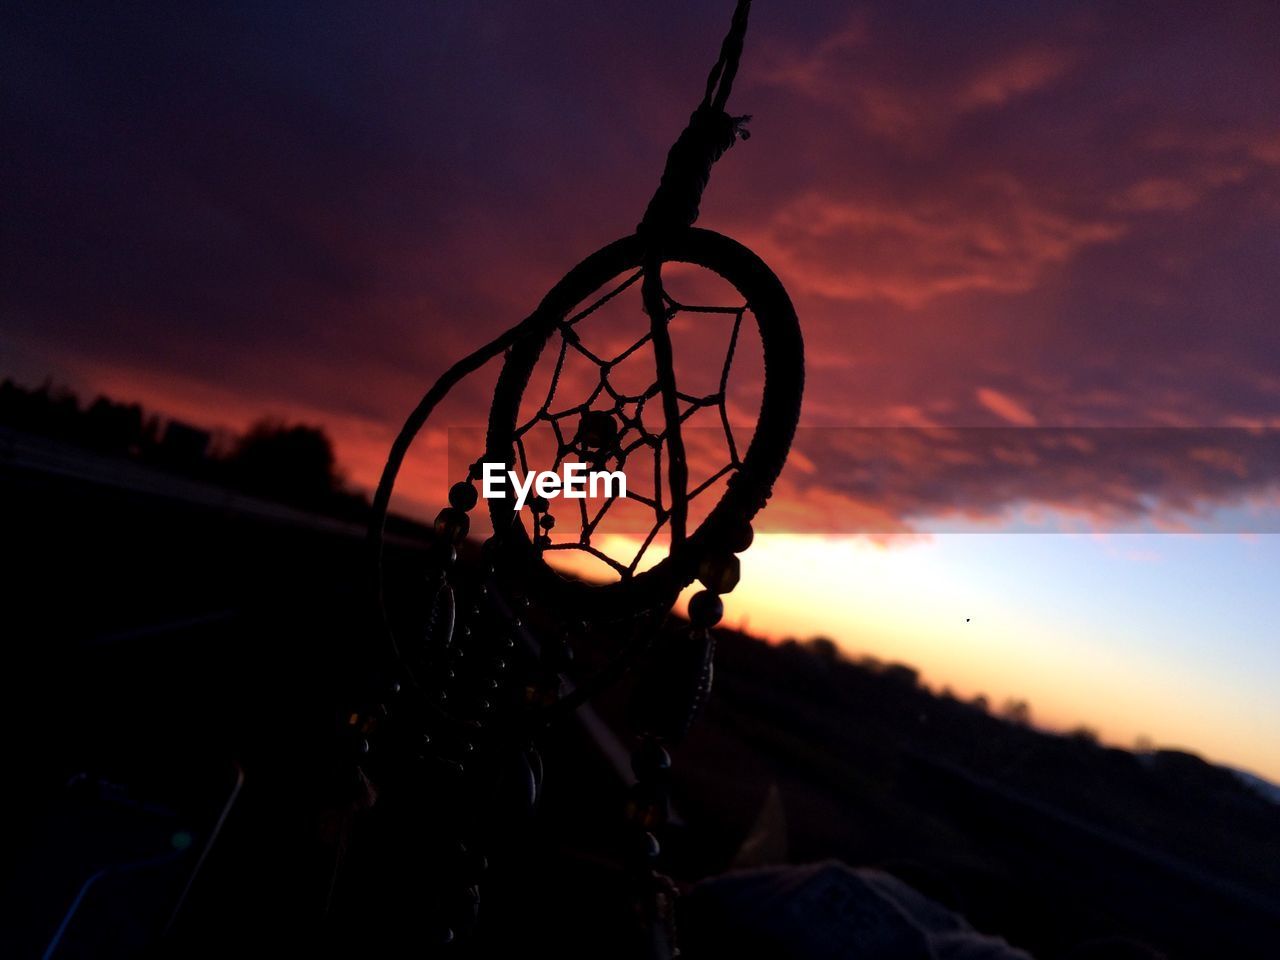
674, 208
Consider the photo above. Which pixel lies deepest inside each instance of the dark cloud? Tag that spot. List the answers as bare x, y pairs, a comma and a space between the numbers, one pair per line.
1010, 213
907, 480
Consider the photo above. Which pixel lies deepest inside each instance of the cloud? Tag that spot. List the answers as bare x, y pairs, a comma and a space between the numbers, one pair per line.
858, 72
880, 481
1005, 407
1159, 194
989, 235
1015, 75
1042, 215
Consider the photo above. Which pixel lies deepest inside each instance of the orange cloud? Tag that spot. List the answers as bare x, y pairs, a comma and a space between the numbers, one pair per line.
1018, 74
1005, 407
990, 235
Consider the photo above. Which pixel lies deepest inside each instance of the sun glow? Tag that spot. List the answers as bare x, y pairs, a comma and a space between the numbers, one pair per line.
993, 614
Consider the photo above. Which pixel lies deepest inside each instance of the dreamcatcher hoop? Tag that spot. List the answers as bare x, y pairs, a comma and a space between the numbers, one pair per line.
749, 487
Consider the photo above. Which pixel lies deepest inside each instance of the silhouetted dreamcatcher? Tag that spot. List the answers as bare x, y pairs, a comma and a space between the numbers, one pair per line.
484, 670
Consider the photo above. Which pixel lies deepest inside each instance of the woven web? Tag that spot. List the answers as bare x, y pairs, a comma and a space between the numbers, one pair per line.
635, 442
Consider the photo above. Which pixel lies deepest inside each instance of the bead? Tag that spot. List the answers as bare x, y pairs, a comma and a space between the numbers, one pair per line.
521, 784
647, 805
452, 525
597, 429
489, 551
535, 766
443, 554
649, 758
441, 617
705, 609
463, 496
739, 537
649, 846
547, 521
720, 574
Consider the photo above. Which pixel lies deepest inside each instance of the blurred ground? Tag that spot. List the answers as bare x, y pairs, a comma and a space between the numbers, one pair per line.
176, 646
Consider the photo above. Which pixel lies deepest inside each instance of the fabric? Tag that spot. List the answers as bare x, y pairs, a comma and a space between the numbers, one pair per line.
827, 910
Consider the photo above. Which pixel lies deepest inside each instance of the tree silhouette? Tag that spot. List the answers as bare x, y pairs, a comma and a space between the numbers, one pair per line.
290, 462
1084, 734
1016, 711
824, 648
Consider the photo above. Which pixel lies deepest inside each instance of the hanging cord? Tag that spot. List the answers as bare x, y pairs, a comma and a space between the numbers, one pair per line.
674, 209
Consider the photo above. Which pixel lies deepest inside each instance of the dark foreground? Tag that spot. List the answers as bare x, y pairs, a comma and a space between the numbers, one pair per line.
175, 661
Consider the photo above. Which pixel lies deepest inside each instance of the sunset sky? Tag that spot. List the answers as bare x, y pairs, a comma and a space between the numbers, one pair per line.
1053, 227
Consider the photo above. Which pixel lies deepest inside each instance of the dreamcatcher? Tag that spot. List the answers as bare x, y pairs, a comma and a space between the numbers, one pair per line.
451, 736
